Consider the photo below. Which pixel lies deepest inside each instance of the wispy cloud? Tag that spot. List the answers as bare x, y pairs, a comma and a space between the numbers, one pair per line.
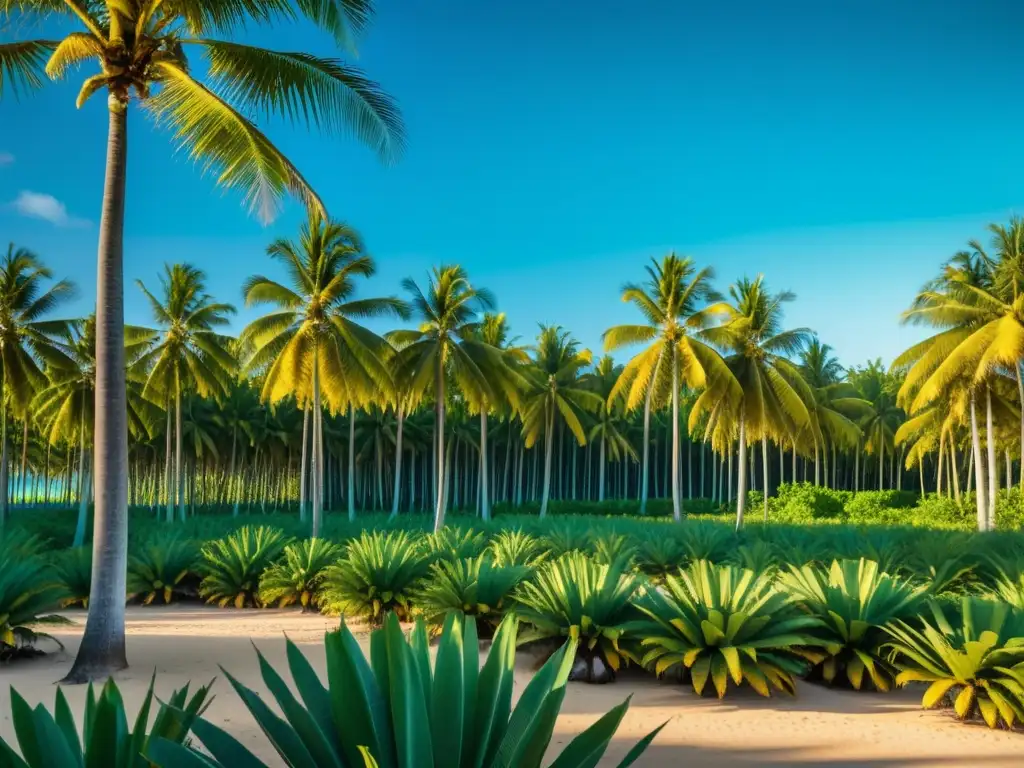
38, 205
6, 158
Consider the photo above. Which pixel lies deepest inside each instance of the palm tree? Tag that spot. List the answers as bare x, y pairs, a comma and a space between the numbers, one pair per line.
187, 354
140, 48
447, 345
609, 429
26, 340
673, 301
311, 346
554, 395
772, 395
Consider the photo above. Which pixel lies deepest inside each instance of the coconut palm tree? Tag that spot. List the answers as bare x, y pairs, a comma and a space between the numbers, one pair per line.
448, 346
555, 394
674, 302
771, 400
26, 340
312, 347
140, 47
188, 353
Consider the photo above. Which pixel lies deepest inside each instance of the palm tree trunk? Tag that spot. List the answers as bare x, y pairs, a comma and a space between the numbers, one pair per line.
600, 473
83, 505
764, 469
439, 438
548, 440
102, 650
232, 482
993, 468
1020, 392
24, 460
881, 459
315, 458
303, 463
741, 471
1009, 471
485, 502
351, 462
954, 470
817, 459
677, 512
647, 447
398, 462
977, 465
179, 475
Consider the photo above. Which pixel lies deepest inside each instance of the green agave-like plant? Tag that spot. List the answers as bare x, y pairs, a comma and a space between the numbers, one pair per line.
854, 602
515, 548
29, 591
231, 567
455, 543
612, 547
17, 543
975, 664
476, 586
379, 573
1007, 581
945, 562
712, 542
566, 536
573, 596
73, 568
52, 741
395, 710
296, 578
758, 556
660, 554
721, 622
159, 569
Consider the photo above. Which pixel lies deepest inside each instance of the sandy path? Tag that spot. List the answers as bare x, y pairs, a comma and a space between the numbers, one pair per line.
818, 728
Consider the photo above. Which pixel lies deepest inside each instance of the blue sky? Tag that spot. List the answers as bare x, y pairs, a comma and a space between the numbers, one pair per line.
843, 148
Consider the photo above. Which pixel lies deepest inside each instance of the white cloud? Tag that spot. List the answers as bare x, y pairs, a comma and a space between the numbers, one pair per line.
6, 158
38, 205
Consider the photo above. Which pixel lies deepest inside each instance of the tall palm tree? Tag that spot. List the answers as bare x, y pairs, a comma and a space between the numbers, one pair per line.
555, 394
609, 429
140, 47
674, 302
311, 346
26, 340
771, 399
188, 353
447, 346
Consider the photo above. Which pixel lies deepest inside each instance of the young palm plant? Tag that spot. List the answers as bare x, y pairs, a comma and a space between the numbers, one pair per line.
515, 548
297, 577
396, 710
855, 602
231, 567
141, 52
73, 568
476, 586
576, 597
455, 543
722, 623
161, 569
29, 591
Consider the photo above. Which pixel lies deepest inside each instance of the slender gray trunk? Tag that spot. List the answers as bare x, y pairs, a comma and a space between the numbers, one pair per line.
993, 467
977, 464
646, 447
485, 502
303, 463
83, 496
764, 468
398, 462
741, 471
439, 509
677, 512
233, 488
600, 472
548, 439
179, 474
316, 456
351, 462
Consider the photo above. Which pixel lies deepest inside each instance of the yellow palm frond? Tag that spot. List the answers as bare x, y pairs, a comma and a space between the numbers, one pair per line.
72, 51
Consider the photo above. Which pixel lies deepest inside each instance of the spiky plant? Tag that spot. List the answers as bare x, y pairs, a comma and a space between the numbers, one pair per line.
723, 623
380, 572
854, 603
476, 586
159, 569
73, 569
18, 543
454, 543
576, 597
29, 591
567, 536
659, 554
945, 561
297, 576
515, 547
974, 664
1007, 580
708, 541
231, 567
611, 547
758, 556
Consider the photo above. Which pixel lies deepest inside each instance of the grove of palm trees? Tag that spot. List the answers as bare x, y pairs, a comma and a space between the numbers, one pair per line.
711, 498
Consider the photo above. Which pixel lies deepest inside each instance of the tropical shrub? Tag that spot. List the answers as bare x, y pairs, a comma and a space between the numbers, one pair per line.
944, 562
805, 502
719, 623
573, 596
758, 556
19, 543
379, 573
394, 710
73, 568
297, 576
974, 664
659, 553
29, 591
1007, 578
160, 569
455, 543
704, 541
854, 602
515, 548
566, 536
231, 567
476, 586
612, 547
52, 741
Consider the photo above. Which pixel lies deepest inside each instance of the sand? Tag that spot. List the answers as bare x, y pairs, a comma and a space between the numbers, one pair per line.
820, 727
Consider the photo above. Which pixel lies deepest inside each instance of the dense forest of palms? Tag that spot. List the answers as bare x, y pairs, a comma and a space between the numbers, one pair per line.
308, 409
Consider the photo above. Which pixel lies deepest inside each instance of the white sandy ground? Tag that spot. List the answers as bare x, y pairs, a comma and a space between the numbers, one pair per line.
820, 727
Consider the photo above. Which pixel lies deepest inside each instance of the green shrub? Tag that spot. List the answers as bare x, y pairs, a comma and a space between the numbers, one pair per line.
476, 586
395, 711
974, 664
709, 541
19, 543
721, 622
29, 591
564, 536
573, 596
52, 741
231, 567
454, 543
853, 602
297, 576
379, 574
515, 548
758, 556
944, 561
73, 568
660, 553
612, 547
161, 568
805, 502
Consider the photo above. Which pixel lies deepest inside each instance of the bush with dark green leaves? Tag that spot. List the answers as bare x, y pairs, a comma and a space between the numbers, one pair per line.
476, 586
232, 567
161, 569
454, 543
30, 592
515, 547
73, 568
297, 576
397, 710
